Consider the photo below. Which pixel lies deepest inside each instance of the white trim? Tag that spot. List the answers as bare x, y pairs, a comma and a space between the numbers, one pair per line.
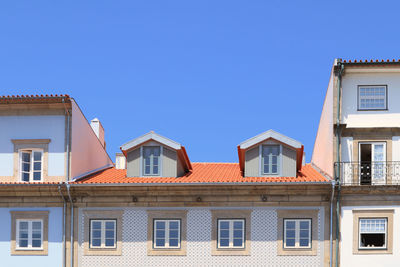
151, 136
166, 233
297, 232
103, 233
231, 230
30, 233
270, 134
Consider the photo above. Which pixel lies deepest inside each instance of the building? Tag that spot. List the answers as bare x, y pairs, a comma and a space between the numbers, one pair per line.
45, 143
269, 209
358, 144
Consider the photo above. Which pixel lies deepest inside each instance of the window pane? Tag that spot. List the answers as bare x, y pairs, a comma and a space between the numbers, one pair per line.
37, 156
237, 233
109, 242
304, 242
224, 233
155, 170
237, 242
224, 225
160, 225
238, 225
23, 225
96, 225
173, 242
37, 176
23, 234
274, 169
156, 151
37, 166
26, 157
224, 242
160, 233
304, 224
147, 170
160, 242
36, 243
290, 224
173, 225
290, 233
173, 234
23, 243
372, 240
304, 233
26, 167
96, 242
96, 233
110, 234
110, 225
290, 242
25, 177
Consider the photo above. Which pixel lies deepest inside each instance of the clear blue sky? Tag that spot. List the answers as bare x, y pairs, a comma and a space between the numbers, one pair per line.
208, 74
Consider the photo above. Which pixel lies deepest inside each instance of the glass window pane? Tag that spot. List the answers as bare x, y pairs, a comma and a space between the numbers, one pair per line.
23, 243
96, 233
224, 225
96, 224
37, 176
160, 225
36, 225
110, 234
23, 225
37, 166
173, 242
147, 170
224, 242
26, 157
109, 242
155, 170
237, 242
37, 235
237, 225
304, 242
304, 224
36, 243
160, 242
274, 168
110, 225
96, 242
160, 233
224, 233
23, 234
173, 225
290, 233
304, 233
290, 242
173, 234
25, 177
290, 224
237, 233
37, 156
26, 167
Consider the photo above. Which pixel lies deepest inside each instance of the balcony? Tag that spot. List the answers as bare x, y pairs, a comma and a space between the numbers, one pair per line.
369, 173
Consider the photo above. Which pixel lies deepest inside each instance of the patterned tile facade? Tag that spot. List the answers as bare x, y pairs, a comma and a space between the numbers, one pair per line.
263, 244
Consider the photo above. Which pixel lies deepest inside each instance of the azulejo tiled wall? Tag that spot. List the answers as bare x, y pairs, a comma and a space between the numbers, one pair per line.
263, 244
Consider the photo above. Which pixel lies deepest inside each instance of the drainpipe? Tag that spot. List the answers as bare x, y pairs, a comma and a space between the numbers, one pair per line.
63, 225
68, 114
331, 226
337, 178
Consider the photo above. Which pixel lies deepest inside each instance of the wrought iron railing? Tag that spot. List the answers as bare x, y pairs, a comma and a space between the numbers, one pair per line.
368, 173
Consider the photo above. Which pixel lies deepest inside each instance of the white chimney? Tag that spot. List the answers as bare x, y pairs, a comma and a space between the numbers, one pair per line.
98, 130
120, 161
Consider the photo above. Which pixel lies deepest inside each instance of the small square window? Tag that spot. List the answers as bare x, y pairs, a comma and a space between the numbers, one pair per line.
297, 233
372, 97
103, 233
167, 234
231, 233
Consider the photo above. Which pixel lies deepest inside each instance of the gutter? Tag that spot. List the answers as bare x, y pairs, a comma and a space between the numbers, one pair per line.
331, 225
337, 178
63, 226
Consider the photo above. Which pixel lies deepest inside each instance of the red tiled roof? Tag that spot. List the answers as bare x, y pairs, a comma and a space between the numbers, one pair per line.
27, 99
203, 173
370, 61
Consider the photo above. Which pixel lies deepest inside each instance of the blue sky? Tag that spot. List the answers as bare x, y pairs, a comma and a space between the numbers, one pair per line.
208, 74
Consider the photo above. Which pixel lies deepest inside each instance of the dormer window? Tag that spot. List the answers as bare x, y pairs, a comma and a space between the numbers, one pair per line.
31, 165
270, 159
151, 160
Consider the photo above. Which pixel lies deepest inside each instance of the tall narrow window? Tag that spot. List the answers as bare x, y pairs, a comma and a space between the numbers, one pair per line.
297, 233
231, 233
31, 165
167, 234
372, 233
270, 159
372, 97
103, 233
29, 234
151, 160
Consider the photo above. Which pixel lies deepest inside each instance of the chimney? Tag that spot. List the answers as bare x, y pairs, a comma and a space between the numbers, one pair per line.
98, 130
120, 161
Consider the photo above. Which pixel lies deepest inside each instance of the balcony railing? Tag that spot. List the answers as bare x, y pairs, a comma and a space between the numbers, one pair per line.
368, 173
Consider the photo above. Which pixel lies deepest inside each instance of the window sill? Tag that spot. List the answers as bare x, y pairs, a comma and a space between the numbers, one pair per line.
369, 251
297, 252
231, 252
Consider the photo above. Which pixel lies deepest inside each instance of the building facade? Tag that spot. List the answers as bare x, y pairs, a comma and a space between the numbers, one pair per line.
358, 144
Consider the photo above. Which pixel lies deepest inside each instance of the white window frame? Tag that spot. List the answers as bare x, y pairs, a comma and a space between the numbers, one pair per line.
31, 152
231, 223
167, 223
103, 233
372, 86
297, 233
359, 233
142, 163
30, 232
279, 160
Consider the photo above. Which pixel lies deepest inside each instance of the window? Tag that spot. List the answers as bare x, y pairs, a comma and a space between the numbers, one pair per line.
102, 233
31, 165
372, 97
372, 233
231, 233
167, 233
297, 233
151, 160
270, 159
29, 234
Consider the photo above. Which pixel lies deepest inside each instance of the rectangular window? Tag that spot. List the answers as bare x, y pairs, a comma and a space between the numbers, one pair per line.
231, 233
103, 233
31, 165
297, 233
29, 234
270, 159
372, 97
151, 160
167, 234
372, 233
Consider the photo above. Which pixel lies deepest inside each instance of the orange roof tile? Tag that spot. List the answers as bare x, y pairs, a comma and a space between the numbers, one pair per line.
203, 173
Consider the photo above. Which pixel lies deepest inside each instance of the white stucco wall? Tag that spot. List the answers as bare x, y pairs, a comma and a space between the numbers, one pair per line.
87, 153
374, 260
33, 127
396, 148
386, 118
263, 242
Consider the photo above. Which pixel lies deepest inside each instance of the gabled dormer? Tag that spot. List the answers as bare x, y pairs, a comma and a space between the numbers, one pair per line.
153, 155
270, 154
